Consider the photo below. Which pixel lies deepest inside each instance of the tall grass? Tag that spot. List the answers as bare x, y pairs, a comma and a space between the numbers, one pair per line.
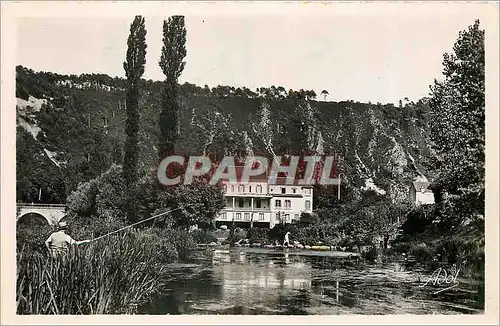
112, 275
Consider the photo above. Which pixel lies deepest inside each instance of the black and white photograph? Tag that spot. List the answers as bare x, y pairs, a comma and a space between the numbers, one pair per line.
313, 159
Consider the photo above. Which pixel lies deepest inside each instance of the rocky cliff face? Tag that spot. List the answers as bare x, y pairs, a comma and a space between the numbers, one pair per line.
74, 128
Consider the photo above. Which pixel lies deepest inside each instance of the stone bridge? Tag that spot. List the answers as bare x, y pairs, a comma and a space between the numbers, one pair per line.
53, 213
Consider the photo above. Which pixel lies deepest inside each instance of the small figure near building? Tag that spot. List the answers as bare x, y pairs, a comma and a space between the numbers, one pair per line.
287, 240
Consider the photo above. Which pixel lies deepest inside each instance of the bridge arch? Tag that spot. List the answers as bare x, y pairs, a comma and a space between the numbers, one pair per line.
52, 213
28, 217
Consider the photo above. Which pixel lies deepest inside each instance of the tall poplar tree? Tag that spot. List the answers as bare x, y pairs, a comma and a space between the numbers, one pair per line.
134, 69
172, 64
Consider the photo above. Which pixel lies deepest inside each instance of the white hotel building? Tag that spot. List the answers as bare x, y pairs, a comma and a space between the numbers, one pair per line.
264, 205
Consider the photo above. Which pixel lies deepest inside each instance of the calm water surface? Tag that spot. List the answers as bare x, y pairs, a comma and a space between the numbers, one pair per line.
250, 281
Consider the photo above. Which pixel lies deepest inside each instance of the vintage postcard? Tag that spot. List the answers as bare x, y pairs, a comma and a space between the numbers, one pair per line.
188, 163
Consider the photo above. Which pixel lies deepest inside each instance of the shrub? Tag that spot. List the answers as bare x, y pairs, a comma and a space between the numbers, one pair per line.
422, 253
203, 236
371, 255
104, 196
178, 238
93, 227
236, 235
258, 235
31, 233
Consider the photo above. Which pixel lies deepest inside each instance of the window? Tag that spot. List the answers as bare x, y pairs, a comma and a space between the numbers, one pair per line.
238, 216
258, 203
247, 216
261, 216
249, 188
288, 203
232, 188
223, 216
308, 191
278, 217
287, 217
308, 204
296, 217
225, 188
283, 190
294, 190
240, 202
241, 188
259, 189
278, 203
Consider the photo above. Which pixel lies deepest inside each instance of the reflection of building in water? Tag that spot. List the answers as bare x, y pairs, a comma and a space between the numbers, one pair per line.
243, 283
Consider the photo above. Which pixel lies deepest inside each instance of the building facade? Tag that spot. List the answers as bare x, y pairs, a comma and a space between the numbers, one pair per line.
260, 204
420, 193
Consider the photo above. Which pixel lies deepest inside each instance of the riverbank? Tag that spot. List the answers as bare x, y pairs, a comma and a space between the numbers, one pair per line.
274, 250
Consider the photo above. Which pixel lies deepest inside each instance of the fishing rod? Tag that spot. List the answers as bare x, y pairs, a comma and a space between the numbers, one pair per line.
129, 226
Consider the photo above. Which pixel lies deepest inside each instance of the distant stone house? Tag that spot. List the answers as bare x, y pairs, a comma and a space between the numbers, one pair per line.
420, 193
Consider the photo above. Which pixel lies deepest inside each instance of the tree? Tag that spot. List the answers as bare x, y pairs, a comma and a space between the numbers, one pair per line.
457, 121
325, 93
199, 201
134, 69
172, 65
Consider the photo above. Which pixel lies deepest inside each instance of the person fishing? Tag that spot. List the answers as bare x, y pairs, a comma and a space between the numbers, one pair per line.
287, 240
59, 243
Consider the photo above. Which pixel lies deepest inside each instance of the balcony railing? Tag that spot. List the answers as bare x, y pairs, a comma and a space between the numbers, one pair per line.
247, 194
248, 209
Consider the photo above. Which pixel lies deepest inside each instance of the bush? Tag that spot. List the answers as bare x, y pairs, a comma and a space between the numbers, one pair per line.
422, 253
104, 196
93, 227
31, 233
371, 255
258, 235
203, 236
177, 238
236, 235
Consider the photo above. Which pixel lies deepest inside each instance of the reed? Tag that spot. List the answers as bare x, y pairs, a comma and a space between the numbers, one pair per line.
113, 275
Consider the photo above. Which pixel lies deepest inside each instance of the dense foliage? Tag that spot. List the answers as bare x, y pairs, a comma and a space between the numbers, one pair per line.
453, 229
458, 124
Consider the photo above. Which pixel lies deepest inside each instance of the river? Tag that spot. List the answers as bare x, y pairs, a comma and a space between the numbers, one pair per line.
248, 281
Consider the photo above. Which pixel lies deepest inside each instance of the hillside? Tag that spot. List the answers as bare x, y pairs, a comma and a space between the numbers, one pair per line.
71, 129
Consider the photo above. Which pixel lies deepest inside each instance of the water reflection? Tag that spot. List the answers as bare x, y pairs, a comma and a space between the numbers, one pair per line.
240, 281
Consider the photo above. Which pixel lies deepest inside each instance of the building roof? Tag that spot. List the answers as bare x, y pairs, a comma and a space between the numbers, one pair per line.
419, 185
280, 181
264, 178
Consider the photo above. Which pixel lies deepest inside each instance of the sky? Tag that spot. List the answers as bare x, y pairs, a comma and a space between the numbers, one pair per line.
362, 58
